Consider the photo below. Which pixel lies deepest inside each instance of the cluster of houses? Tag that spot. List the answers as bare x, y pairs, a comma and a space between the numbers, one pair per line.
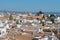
38, 26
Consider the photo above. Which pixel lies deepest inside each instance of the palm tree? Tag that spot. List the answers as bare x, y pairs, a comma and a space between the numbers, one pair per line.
17, 22
10, 17
52, 15
52, 19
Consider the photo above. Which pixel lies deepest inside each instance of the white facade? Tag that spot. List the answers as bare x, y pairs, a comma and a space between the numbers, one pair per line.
39, 30
18, 25
18, 17
2, 29
50, 22
2, 32
57, 20
2, 15
7, 26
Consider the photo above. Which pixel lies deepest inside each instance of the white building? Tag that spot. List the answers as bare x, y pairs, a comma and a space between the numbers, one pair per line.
2, 30
2, 15
18, 25
49, 22
57, 20
7, 26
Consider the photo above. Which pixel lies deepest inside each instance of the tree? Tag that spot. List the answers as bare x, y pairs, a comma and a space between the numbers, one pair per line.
52, 19
10, 17
52, 15
17, 22
43, 24
43, 16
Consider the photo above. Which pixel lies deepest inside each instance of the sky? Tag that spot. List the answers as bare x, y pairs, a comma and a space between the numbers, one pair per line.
30, 5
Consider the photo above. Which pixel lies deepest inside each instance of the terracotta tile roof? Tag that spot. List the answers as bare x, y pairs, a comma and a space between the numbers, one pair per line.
29, 31
38, 34
1, 18
23, 38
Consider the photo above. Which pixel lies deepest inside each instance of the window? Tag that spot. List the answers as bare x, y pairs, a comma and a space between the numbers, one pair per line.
0, 32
